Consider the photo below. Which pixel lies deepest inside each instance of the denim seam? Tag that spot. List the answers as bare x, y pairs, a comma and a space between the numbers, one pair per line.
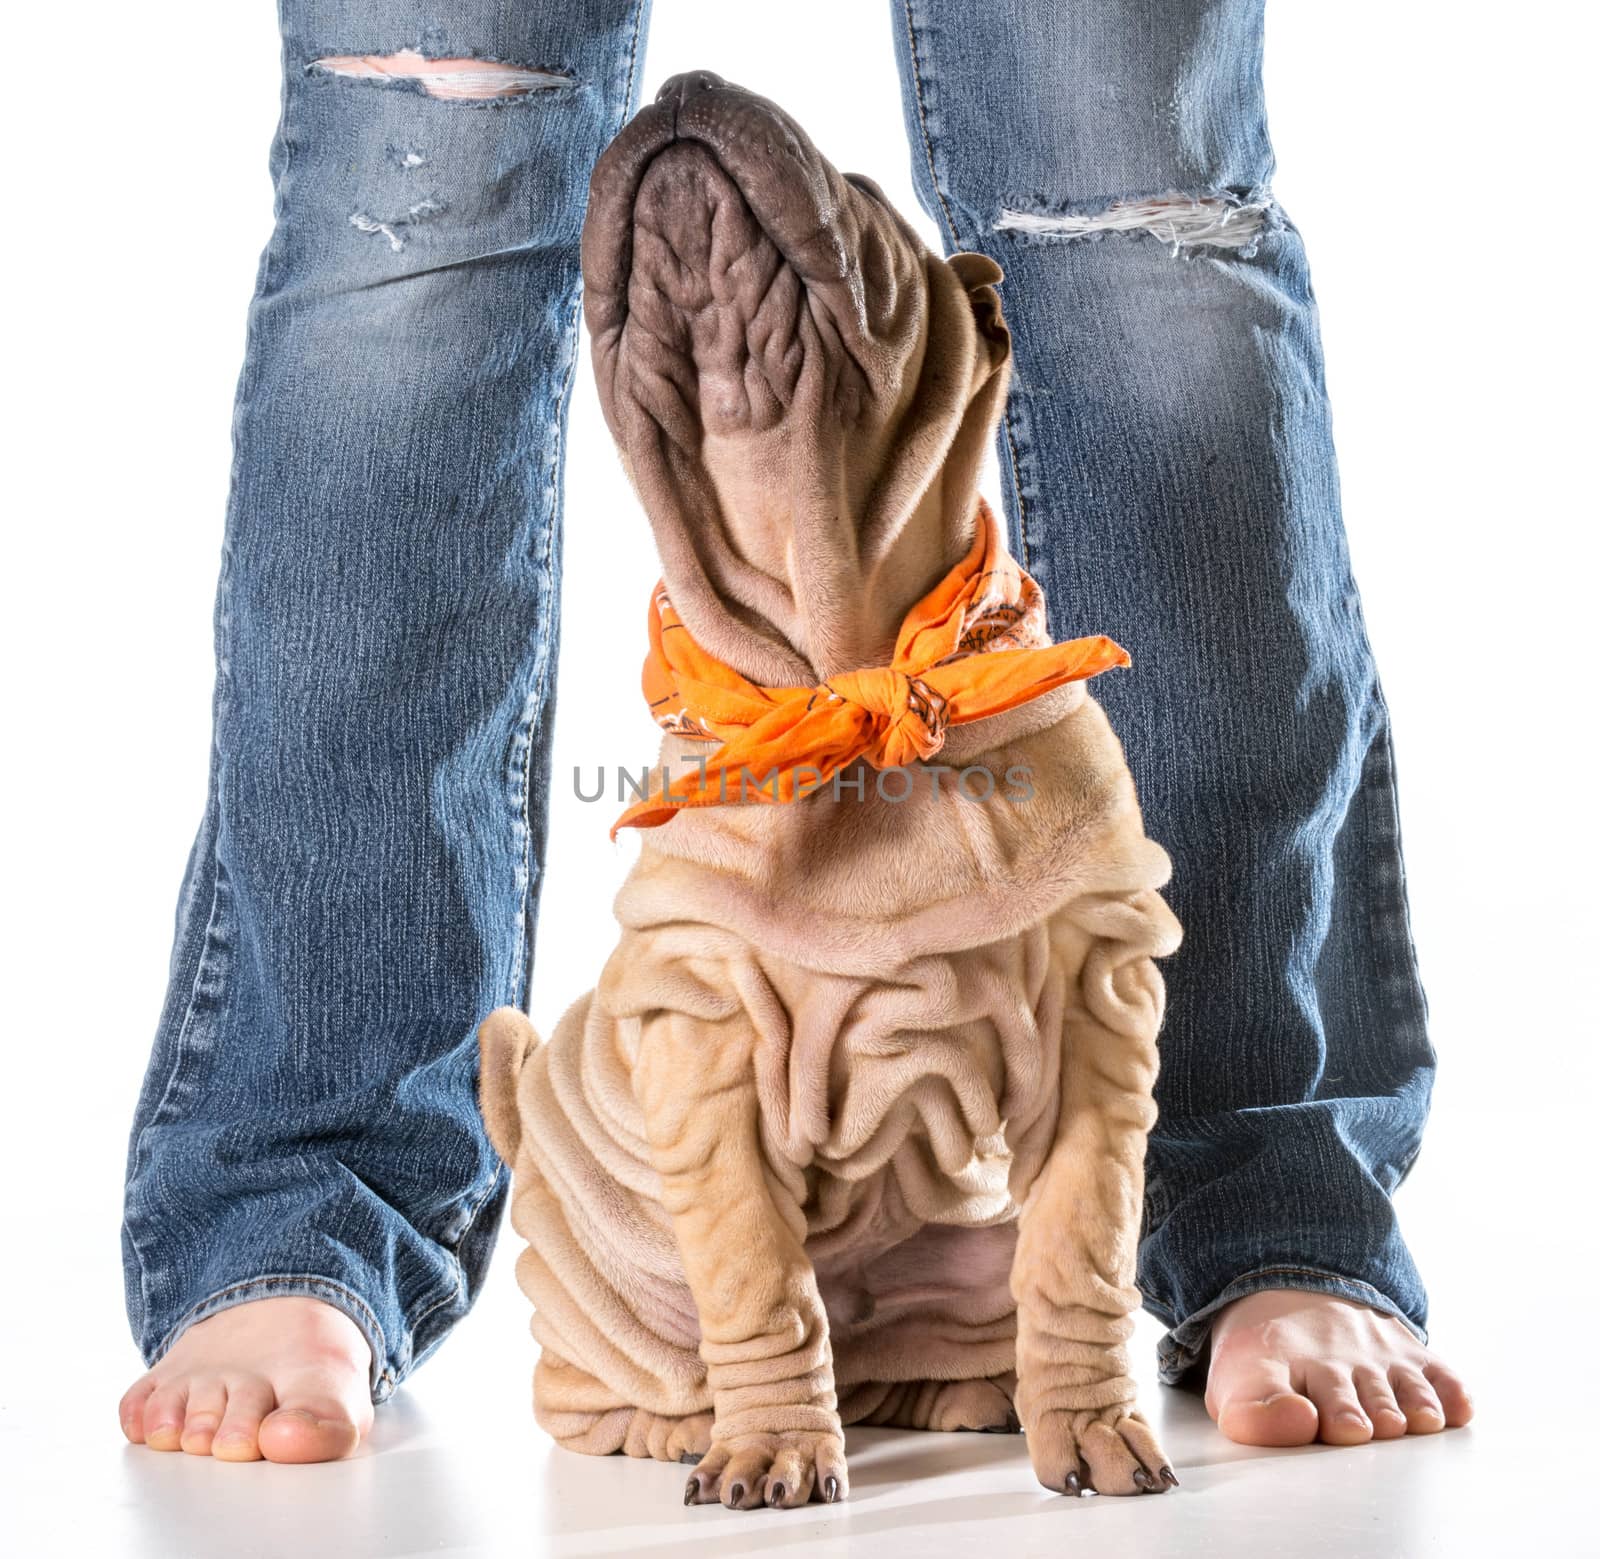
1404, 997
202, 964
383, 1373
457, 1292
474, 1207
956, 243
1317, 1272
405, 1356
633, 61
285, 138
922, 117
1394, 915
1248, 1283
1391, 923
522, 969
1029, 562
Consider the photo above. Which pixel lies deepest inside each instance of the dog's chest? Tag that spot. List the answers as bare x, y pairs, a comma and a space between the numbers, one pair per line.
927, 1096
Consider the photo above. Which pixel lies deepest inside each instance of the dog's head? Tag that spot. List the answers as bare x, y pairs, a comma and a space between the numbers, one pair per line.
801, 392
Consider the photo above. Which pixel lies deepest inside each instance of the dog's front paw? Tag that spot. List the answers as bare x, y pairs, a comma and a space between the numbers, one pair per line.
781, 1470
1108, 1451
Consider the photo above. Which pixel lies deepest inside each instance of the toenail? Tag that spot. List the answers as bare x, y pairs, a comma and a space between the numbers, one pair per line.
306, 1417
737, 1491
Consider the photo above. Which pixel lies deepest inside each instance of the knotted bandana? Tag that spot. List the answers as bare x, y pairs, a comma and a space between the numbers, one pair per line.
976, 645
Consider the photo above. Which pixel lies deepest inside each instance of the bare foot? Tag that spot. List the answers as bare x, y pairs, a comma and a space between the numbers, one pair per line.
1289, 1367
285, 1379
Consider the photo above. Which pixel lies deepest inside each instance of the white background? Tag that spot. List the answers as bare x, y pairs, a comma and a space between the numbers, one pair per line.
1434, 157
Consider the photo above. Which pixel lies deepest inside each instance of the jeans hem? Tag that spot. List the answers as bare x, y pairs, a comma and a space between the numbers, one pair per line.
384, 1376
1185, 1342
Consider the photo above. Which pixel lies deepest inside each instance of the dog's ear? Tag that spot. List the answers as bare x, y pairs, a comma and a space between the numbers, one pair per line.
504, 1039
989, 375
980, 276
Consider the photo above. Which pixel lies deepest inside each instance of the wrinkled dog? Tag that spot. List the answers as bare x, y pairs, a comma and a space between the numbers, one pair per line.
852, 1128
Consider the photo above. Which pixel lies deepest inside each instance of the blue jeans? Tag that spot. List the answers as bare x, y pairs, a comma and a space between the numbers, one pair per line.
364, 883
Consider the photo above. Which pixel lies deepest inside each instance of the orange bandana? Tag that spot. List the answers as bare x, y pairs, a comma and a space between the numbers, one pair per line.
974, 646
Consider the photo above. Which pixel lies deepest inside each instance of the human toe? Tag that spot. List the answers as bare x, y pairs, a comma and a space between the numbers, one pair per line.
1417, 1400
1254, 1401
1378, 1403
1284, 1418
237, 1437
208, 1402
1454, 1398
130, 1410
1341, 1420
308, 1434
320, 1417
163, 1417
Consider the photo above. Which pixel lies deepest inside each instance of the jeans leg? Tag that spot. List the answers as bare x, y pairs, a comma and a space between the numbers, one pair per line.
1170, 479
363, 885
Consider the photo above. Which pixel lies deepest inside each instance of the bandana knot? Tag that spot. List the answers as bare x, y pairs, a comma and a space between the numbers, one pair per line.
908, 715
974, 646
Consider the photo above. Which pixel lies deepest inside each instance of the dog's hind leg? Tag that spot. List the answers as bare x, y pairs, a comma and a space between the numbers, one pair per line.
582, 1414
942, 1405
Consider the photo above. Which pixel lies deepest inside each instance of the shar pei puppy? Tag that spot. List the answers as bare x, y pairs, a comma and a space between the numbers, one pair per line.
852, 1128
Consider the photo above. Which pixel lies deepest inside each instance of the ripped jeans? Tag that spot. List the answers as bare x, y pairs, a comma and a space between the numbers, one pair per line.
363, 886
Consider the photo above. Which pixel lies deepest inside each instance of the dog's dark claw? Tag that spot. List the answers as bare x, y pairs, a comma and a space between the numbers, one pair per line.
737, 1491
1169, 1477
775, 1494
830, 1488
1143, 1480
1074, 1484
690, 1458
691, 1491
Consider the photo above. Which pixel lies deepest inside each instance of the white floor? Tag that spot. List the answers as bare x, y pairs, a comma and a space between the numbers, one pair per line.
456, 1466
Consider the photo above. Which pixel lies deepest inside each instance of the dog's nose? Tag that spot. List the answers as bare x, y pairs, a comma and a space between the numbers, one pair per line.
677, 90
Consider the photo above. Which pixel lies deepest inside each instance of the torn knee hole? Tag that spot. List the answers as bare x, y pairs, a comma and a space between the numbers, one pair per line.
474, 80
1180, 221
